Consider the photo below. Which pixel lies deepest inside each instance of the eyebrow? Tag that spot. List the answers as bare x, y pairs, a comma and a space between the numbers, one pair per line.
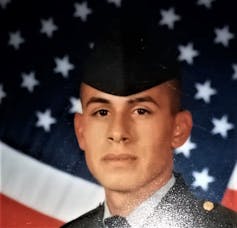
93, 100
97, 100
143, 99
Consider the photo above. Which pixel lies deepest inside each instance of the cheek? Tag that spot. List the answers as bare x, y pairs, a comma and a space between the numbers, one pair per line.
94, 133
156, 134
155, 144
91, 151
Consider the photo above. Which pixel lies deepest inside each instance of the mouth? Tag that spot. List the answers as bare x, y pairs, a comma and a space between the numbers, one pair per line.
119, 157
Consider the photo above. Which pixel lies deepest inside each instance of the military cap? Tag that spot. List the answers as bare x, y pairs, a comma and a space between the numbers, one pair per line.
130, 56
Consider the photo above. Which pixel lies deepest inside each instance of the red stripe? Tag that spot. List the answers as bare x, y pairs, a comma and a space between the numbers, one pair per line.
230, 199
16, 215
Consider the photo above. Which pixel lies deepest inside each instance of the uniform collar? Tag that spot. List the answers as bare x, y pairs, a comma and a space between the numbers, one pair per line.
138, 217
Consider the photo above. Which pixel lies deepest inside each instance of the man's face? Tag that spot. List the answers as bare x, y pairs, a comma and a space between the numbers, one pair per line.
128, 141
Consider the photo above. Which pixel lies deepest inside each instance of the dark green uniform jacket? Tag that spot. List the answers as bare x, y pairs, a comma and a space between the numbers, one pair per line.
178, 209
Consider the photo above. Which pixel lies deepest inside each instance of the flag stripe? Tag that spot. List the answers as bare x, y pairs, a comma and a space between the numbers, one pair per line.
230, 197
44, 188
14, 214
233, 179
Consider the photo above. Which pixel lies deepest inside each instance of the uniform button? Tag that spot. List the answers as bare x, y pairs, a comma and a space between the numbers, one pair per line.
208, 205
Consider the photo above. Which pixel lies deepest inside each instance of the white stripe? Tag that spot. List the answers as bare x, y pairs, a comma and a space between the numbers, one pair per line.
233, 179
44, 188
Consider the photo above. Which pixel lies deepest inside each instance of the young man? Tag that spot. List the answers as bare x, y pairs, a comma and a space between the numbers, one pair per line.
130, 125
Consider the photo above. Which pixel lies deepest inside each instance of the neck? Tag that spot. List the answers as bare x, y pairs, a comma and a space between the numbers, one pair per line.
124, 202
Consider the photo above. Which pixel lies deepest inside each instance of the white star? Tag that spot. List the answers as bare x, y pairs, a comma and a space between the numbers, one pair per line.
169, 18
2, 93
3, 3
45, 120
221, 126
206, 3
48, 27
187, 53
91, 45
82, 10
223, 36
204, 91
202, 179
16, 39
29, 81
76, 105
117, 3
186, 148
234, 76
63, 66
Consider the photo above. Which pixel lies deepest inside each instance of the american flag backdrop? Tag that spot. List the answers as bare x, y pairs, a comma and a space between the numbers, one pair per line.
44, 178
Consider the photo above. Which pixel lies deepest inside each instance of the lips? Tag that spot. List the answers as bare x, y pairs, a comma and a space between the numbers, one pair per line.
119, 157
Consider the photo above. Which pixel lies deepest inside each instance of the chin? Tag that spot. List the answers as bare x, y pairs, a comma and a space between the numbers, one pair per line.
118, 184
125, 186
120, 188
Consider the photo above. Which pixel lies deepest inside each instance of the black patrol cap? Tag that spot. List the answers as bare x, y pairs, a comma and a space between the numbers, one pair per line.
129, 57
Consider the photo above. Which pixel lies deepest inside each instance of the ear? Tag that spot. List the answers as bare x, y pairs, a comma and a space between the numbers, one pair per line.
182, 128
78, 127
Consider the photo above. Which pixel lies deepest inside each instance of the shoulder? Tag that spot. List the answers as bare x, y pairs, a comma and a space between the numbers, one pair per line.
91, 219
184, 208
215, 215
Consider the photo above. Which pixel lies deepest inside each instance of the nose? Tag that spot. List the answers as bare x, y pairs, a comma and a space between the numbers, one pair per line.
119, 130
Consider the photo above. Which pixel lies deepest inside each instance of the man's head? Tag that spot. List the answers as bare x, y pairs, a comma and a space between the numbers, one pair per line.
128, 140
131, 119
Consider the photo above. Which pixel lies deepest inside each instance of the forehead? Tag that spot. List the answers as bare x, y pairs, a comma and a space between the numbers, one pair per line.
156, 92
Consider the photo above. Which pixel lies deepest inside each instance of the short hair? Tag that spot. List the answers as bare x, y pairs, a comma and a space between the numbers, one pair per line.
176, 92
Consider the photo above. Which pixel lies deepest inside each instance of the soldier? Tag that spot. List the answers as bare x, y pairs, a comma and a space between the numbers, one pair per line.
132, 121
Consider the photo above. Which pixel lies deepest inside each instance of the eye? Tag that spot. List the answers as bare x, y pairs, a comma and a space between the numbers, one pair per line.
142, 111
101, 112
